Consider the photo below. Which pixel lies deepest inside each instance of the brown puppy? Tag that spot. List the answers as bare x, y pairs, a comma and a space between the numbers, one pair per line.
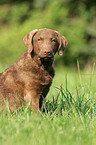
29, 78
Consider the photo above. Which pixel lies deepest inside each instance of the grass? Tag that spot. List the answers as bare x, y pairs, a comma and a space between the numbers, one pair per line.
68, 116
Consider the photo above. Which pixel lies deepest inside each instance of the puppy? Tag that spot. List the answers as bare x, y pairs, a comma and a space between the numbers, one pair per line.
28, 80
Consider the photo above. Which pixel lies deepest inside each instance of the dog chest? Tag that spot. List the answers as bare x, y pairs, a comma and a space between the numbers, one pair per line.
42, 78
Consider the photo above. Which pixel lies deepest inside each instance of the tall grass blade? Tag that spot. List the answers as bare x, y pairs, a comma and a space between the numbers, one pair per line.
79, 72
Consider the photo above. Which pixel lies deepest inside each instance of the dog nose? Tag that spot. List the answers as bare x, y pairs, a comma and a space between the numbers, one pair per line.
47, 52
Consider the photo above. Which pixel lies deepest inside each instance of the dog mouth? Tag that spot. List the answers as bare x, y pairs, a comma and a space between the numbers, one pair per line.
47, 58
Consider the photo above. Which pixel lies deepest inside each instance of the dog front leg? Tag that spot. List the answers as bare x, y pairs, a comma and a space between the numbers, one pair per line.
32, 101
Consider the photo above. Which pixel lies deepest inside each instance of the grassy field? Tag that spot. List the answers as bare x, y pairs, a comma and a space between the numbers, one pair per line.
69, 116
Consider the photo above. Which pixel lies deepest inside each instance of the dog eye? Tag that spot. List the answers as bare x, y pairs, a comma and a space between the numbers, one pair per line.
39, 39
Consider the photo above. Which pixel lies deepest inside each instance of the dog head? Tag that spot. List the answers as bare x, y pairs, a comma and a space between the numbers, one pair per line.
44, 43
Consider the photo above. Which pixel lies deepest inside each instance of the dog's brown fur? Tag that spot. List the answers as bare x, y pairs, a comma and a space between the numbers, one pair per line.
29, 78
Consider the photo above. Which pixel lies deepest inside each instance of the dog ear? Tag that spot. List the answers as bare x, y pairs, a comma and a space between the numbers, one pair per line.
62, 43
28, 40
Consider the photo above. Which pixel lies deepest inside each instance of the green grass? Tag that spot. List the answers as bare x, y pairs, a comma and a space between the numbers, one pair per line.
68, 116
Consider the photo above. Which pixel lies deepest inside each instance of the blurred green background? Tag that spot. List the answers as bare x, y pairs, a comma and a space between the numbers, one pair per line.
75, 19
